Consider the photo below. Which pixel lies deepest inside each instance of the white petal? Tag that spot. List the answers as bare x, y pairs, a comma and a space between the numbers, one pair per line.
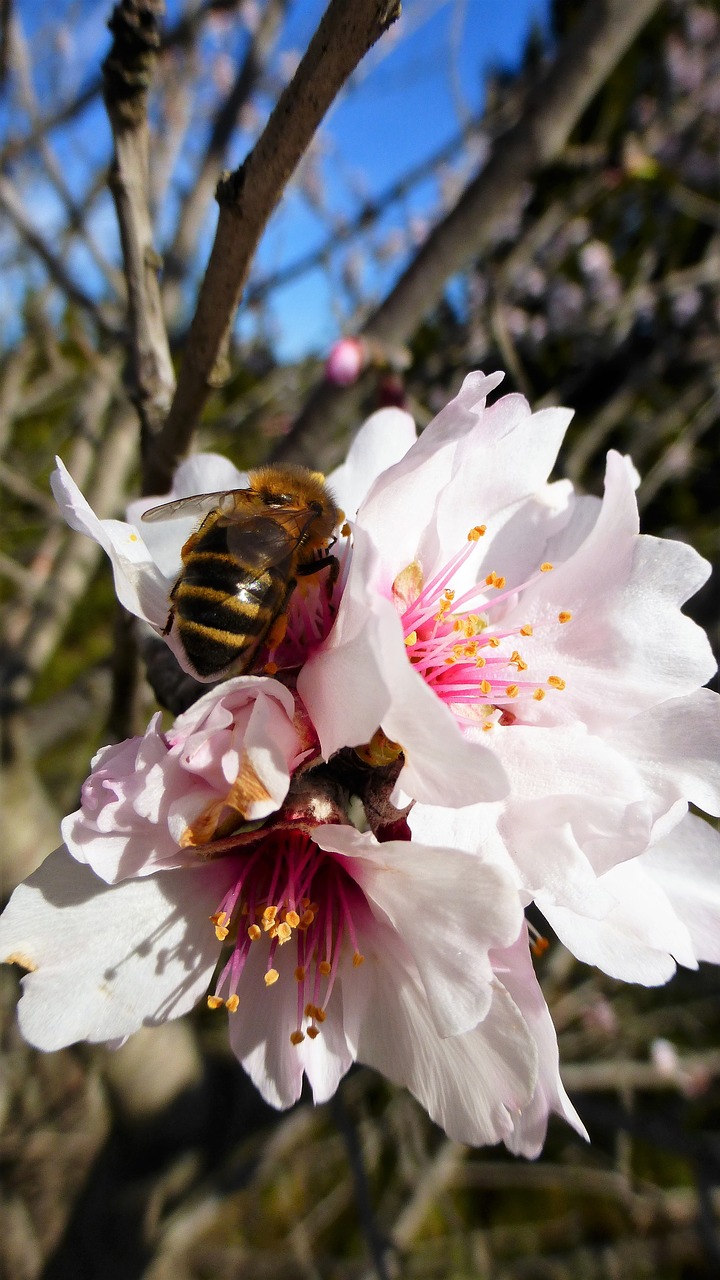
402, 502
106, 960
261, 1027
628, 646
507, 457
381, 442
449, 908
639, 939
686, 865
344, 684
139, 584
676, 747
515, 970
473, 1085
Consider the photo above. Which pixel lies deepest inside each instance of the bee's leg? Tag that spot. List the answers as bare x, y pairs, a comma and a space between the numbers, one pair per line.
278, 628
304, 570
171, 616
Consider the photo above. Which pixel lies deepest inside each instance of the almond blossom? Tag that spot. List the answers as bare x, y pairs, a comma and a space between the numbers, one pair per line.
486, 605
327, 946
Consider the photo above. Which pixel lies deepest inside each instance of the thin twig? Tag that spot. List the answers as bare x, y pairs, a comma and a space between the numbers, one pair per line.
11, 203
128, 71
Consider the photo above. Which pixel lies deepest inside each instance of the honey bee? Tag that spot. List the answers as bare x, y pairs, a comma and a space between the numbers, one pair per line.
241, 565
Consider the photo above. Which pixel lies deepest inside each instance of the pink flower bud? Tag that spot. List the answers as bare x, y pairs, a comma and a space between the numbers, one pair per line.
345, 362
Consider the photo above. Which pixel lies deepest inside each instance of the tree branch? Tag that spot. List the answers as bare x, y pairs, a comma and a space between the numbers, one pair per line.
600, 37
247, 198
128, 71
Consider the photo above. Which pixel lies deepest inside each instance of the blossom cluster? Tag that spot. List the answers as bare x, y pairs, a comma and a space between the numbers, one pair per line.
495, 701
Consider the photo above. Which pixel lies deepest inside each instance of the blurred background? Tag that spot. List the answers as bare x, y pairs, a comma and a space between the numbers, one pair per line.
598, 287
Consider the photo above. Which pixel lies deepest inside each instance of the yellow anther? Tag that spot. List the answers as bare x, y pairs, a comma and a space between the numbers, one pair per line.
271, 976
448, 595
480, 662
493, 642
254, 932
215, 1002
512, 691
325, 968
488, 725
490, 580
271, 668
292, 918
309, 1010
539, 694
358, 960
411, 639
221, 932
284, 933
556, 682
313, 1032
479, 531
546, 567
564, 616
297, 1037
231, 1004
539, 946
485, 687
307, 918
526, 630
346, 531
320, 1014
450, 662
221, 920
300, 973
499, 582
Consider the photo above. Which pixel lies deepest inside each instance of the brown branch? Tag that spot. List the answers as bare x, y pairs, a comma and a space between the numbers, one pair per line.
247, 198
600, 37
128, 71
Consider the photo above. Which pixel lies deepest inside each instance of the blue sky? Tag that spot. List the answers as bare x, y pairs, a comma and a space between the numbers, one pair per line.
409, 97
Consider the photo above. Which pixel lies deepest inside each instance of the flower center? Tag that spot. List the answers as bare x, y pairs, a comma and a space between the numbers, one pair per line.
461, 646
310, 615
290, 891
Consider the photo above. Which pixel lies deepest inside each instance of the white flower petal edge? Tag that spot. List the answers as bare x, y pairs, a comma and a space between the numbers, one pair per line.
106, 960
381, 441
515, 970
686, 866
139, 584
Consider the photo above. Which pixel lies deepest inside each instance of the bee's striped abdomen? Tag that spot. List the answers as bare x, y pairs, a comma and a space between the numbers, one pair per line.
223, 611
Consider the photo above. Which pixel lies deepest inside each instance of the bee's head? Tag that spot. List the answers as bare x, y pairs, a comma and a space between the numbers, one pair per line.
297, 489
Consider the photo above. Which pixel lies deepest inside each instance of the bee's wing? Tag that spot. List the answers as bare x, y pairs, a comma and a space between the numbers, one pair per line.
260, 542
198, 504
